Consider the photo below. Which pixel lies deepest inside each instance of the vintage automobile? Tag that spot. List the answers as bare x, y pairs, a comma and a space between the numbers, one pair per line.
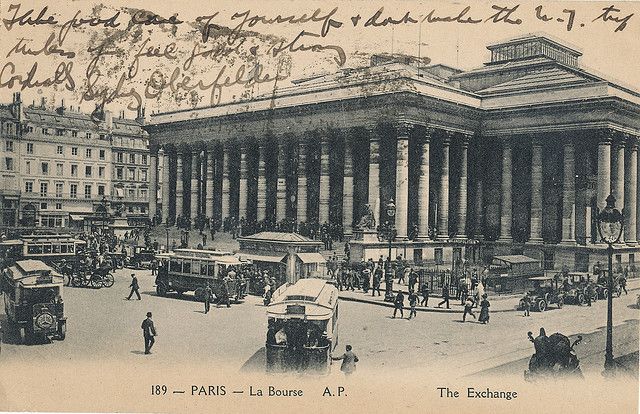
602, 285
575, 287
302, 327
186, 270
544, 292
141, 258
33, 300
554, 357
510, 273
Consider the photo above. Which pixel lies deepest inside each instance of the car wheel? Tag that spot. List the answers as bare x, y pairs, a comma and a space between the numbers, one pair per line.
161, 289
62, 330
542, 305
582, 299
96, 282
560, 303
605, 293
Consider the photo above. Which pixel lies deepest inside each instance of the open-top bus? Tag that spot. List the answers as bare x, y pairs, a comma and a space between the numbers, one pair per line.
302, 326
192, 270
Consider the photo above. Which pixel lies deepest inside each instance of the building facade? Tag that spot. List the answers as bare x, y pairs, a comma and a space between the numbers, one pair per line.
59, 164
515, 156
9, 167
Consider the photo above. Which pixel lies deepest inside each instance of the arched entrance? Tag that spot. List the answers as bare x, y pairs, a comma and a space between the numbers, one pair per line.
28, 215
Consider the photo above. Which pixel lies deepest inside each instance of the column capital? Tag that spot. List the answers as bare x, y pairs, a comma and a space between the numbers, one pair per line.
632, 142
465, 140
154, 148
605, 136
429, 132
506, 141
447, 136
536, 140
567, 142
620, 141
372, 130
403, 128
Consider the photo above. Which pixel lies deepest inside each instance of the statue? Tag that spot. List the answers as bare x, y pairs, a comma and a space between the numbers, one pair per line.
368, 221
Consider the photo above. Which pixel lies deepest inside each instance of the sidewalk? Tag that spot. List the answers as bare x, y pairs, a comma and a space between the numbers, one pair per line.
499, 303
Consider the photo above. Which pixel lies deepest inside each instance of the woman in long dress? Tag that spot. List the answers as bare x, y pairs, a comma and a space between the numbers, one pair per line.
484, 310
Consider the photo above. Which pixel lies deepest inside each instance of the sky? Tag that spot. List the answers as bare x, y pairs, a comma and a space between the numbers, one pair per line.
145, 81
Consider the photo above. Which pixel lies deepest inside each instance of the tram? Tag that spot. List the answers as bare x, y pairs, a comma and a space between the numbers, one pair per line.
192, 270
302, 326
51, 249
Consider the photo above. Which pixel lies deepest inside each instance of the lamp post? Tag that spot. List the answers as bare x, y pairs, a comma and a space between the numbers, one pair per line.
105, 213
390, 230
166, 229
610, 226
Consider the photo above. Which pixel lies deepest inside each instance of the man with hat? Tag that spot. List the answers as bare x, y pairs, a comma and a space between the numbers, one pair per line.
149, 331
134, 287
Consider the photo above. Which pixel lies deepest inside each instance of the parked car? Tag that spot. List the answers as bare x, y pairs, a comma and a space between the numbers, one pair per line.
544, 291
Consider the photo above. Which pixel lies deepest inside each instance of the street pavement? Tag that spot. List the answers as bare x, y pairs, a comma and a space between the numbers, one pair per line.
104, 325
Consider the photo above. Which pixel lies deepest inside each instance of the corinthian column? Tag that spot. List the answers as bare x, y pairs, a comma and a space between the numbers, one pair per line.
165, 185
209, 199
225, 183
568, 194
402, 180
374, 173
423, 187
618, 183
153, 183
242, 197
462, 191
179, 184
536, 191
604, 167
262, 184
443, 199
301, 198
347, 189
323, 215
506, 201
631, 191
281, 184
194, 183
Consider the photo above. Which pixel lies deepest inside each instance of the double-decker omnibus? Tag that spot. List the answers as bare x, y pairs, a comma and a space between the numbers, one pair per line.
51, 249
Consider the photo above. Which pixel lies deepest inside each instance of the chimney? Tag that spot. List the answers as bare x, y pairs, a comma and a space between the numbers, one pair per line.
17, 106
108, 120
140, 118
43, 102
60, 110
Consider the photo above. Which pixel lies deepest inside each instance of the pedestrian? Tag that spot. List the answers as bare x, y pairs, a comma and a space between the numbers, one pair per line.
377, 279
366, 280
484, 310
349, 360
399, 304
267, 294
134, 287
204, 238
468, 309
464, 292
445, 295
589, 292
208, 294
413, 279
149, 333
526, 304
623, 284
413, 301
425, 294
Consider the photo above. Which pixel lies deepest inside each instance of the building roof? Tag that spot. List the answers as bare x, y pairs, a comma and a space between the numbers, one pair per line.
279, 237
79, 121
544, 78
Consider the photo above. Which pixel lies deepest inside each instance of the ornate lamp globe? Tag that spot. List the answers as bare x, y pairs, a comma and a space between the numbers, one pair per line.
391, 208
610, 222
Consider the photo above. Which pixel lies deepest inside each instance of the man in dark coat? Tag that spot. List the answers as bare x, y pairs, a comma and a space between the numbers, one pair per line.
399, 304
149, 332
425, 295
134, 287
208, 293
445, 295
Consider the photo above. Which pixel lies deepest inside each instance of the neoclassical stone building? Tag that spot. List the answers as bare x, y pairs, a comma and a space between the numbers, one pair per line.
512, 157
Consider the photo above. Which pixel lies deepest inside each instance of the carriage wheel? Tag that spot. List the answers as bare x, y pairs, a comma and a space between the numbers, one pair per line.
582, 299
594, 297
542, 305
76, 281
96, 282
605, 293
108, 280
560, 303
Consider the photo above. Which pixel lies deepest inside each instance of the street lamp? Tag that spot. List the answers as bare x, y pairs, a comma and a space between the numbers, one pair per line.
610, 225
105, 213
166, 228
391, 212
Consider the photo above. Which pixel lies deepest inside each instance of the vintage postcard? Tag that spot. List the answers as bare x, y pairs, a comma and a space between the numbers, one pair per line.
319, 206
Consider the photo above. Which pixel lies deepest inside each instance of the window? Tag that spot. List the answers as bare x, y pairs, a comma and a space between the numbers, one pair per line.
9, 129
87, 153
119, 157
44, 189
101, 190
132, 158
28, 187
45, 131
29, 147
119, 173
44, 168
9, 146
27, 167
59, 187
30, 129
143, 175
132, 174
102, 136
58, 206
8, 161
88, 135
87, 191
87, 171
59, 150
43, 206
74, 134
143, 193
438, 255
74, 170
74, 151
132, 193
59, 169
59, 132
102, 154
144, 159
73, 191
101, 172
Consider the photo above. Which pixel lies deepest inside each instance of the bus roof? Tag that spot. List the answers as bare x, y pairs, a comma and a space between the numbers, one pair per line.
50, 237
199, 253
227, 258
317, 297
34, 272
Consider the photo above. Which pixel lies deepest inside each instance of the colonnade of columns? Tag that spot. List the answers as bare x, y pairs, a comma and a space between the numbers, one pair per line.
617, 173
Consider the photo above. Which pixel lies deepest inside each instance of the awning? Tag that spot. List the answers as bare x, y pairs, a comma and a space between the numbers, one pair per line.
261, 258
76, 217
311, 258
